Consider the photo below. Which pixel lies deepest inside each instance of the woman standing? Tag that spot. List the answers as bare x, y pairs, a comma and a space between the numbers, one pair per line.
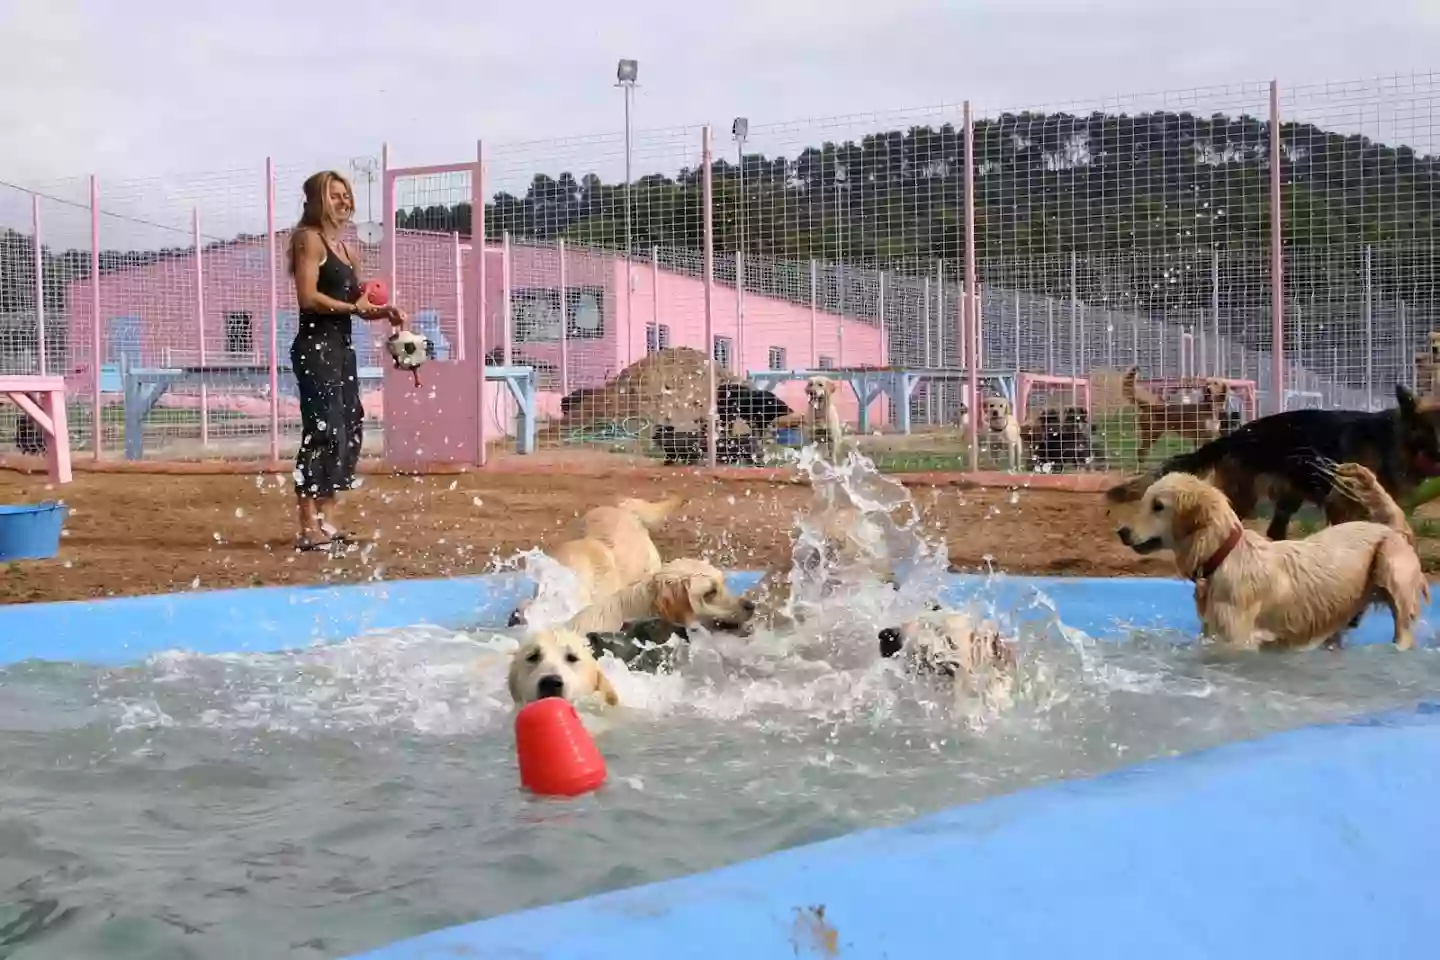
327, 288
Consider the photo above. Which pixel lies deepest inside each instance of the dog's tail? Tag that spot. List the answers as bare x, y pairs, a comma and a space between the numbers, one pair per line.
652, 514
1200, 461
1359, 483
1134, 393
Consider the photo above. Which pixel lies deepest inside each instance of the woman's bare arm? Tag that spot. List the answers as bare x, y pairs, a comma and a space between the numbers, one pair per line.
309, 254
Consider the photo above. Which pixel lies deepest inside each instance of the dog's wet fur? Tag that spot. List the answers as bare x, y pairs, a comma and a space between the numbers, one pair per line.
1287, 458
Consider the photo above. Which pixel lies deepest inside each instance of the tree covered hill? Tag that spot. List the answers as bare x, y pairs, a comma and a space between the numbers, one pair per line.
1156, 192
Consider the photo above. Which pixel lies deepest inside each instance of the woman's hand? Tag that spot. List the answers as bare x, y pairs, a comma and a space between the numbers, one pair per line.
369, 311
395, 315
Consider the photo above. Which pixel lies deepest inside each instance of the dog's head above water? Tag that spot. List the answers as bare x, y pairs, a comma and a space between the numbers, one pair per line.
692, 592
1172, 511
557, 663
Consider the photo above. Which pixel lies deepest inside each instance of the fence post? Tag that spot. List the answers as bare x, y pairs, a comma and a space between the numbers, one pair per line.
1369, 330
708, 202
461, 301
274, 309
505, 285
814, 314
884, 351
200, 324
968, 294
654, 306
387, 211
1277, 259
39, 282
564, 324
739, 358
98, 425
477, 250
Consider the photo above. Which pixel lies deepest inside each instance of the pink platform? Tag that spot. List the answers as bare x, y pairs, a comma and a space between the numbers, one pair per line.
43, 399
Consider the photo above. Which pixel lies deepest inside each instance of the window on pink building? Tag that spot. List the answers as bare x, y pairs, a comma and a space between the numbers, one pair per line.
777, 358
827, 363
721, 351
657, 337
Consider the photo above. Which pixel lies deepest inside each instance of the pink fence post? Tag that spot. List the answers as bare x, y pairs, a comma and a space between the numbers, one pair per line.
460, 304
565, 324
274, 308
1277, 260
96, 358
880, 322
39, 281
505, 281
654, 299
970, 319
707, 200
477, 250
387, 213
200, 324
739, 358
814, 315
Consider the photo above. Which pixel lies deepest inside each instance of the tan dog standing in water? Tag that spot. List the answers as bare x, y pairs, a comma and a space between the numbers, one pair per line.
613, 550
1300, 593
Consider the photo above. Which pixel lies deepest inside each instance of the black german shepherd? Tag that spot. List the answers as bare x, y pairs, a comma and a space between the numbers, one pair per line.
1285, 457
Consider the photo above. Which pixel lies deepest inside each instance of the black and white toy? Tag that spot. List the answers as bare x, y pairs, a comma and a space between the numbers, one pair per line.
409, 350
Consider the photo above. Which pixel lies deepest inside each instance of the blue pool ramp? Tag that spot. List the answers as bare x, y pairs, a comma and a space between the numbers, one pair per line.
1317, 843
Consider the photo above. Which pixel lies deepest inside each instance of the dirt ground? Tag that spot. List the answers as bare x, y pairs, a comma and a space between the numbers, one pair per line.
134, 534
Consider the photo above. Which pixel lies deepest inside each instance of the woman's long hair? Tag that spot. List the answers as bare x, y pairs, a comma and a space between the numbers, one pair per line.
316, 213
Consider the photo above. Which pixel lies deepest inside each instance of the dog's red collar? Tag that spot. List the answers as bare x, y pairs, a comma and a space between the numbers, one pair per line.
1208, 568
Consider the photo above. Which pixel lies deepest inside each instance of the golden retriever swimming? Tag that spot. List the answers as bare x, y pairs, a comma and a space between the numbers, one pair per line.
557, 663
613, 550
950, 644
1290, 593
561, 662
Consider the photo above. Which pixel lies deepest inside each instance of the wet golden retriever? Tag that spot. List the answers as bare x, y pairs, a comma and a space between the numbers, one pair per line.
613, 550
1289, 593
966, 649
559, 662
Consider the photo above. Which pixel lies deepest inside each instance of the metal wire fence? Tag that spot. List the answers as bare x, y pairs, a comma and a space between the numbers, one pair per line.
1244, 249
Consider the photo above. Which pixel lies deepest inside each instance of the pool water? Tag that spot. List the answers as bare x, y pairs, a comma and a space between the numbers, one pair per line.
321, 802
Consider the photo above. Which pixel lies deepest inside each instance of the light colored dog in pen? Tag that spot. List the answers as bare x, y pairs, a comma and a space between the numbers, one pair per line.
1252, 592
1000, 430
825, 422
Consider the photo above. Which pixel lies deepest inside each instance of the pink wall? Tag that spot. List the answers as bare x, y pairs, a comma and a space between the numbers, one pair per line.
164, 327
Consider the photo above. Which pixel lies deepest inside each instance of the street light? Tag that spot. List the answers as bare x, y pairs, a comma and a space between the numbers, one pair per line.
739, 129
626, 72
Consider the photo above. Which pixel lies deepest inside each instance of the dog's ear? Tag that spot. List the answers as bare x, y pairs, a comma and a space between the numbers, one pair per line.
672, 601
1187, 516
604, 688
597, 642
1406, 401
1131, 491
831, 386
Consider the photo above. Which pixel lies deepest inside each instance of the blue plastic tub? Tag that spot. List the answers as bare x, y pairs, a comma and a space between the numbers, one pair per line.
31, 531
789, 437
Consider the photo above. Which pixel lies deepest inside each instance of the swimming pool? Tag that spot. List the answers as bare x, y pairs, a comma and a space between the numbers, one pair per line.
238, 799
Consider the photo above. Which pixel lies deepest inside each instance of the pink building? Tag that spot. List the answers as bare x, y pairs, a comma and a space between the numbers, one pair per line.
177, 310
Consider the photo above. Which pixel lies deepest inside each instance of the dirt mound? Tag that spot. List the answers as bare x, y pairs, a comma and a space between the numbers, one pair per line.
670, 386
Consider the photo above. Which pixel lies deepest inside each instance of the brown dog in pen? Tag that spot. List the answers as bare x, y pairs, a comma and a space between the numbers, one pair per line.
1196, 422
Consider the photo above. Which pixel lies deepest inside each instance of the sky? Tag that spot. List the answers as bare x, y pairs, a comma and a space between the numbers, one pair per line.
177, 105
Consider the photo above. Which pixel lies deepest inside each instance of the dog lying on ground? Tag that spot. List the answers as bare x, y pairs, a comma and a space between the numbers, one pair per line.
1154, 417
1285, 457
1293, 593
1062, 439
758, 409
689, 448
561, 662
613, 550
